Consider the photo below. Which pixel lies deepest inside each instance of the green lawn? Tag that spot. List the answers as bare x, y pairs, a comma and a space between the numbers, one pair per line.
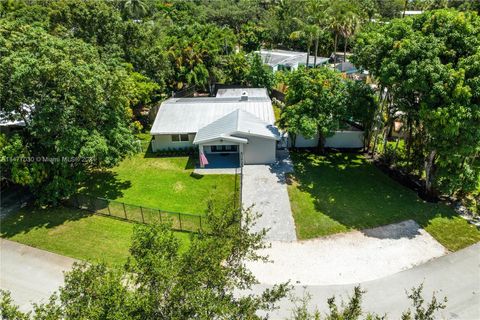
342, 192
163, 183
74, 233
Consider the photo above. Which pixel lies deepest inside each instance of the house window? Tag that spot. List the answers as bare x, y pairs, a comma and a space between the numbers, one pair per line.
179, 137
224, 148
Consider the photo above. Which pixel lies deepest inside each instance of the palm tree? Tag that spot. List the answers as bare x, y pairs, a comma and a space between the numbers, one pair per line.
348, 26
311, 26
135, 8
305, 31
344, 20
317, 12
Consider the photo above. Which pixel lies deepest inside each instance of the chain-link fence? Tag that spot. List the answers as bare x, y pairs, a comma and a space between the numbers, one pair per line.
179, 221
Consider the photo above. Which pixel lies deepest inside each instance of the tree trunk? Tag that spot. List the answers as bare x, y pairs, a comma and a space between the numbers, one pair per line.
335, 50
378, 120
308, 53
320, 143
394, 157
293, 140
430, 172
408, 140
345, 50
316, 51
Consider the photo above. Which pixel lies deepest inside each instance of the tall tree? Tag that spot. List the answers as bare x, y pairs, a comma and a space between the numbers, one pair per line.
316, 100
160, 281
75, 107
134, 8
426, 65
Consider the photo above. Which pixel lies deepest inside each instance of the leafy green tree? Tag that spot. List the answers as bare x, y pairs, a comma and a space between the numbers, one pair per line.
352, 309
134, 8
316, 100
9, 311
234, 69
161, 282
390, 8
76, 109
308, 32
252, 36
195, 52
259, 75
361, 106
95, 22
427, 66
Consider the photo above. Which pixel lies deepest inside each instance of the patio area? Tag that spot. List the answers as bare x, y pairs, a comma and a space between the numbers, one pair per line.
221, 163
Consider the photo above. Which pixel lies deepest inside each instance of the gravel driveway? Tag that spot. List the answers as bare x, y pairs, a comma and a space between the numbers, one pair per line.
349, 257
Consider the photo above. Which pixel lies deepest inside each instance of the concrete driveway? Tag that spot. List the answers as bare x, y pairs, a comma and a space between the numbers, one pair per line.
30, 274
351, 257
264, 187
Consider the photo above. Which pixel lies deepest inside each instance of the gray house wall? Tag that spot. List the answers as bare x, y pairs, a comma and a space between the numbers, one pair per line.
259, 150
164, 142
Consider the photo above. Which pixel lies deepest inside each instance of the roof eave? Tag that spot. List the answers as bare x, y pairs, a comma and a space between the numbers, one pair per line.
226, 138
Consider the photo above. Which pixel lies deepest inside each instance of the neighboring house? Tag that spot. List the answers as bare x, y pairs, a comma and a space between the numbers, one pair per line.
11, 121
412, 12
288, 60
237, 123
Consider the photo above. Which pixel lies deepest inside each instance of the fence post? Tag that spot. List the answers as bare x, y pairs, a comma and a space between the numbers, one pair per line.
141, 210
124, 211
200, 222
160, 215
180, 220
235, 190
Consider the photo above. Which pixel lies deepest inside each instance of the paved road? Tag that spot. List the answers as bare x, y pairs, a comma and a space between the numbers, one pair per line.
31, 275
264, 186
456, 276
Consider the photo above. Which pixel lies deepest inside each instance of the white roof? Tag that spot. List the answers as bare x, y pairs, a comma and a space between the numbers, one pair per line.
238, 122
412, 12
237, 92
288, 58
14, 118
188, 115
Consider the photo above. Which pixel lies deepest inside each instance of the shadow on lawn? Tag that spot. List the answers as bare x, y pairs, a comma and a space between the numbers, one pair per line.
351, 191
30, 218
104, 184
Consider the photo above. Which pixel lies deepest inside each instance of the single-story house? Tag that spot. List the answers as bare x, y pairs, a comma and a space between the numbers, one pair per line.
237, 124
288, 60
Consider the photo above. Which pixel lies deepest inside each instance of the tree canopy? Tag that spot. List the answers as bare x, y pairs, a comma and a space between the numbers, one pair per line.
427, 66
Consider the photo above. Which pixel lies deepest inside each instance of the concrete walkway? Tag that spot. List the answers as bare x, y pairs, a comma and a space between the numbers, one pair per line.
264, 186
456, 276
346, 258
30, 274
204, 171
